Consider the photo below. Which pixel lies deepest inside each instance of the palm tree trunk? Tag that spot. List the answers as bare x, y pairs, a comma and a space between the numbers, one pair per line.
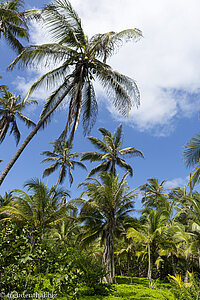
32, 134
199, 257
149, 275
187, 267
108, 255
173, 264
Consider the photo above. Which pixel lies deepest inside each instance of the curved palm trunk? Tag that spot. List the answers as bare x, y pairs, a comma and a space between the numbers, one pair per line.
32, 134
108, 255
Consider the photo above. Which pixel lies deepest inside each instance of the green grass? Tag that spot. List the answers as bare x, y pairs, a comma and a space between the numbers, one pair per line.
135, 289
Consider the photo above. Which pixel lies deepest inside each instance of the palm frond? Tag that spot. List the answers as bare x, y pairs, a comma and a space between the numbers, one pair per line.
64, 24
89, 106
50, 169
115, 91
15, 131
45, 55
132, 151
192, 151
105, 45
25, 119
121, 162
103, 167
98, 144
92, 156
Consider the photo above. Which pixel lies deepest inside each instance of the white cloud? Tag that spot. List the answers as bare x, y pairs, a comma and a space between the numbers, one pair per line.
165, 63
176, 182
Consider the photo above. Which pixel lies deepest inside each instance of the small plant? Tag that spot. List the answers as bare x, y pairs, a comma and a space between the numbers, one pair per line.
185, 290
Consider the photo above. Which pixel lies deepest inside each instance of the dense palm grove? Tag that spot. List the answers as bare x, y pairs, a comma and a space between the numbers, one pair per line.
51, 242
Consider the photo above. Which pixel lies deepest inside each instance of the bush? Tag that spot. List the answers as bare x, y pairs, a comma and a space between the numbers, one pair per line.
185, 291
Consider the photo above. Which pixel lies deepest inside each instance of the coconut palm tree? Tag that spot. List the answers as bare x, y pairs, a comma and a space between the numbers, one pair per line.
154, 193
149, 234
63, 158
12, 23
41, 208
66, 231
109, 202
11, 107
186, 244
79, 60
110, 145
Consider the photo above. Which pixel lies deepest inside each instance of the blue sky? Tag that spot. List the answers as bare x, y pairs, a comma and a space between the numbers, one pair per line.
165, 65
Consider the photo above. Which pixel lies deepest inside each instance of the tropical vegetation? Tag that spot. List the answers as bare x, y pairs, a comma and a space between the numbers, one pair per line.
90, 242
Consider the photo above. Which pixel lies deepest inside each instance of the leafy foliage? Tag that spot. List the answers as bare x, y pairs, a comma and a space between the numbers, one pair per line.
111, 148
11, 107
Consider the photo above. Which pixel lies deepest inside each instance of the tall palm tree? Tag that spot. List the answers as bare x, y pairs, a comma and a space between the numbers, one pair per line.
110, 145
11, 107
12, 23
109, 202
63, 158
79, 60
149, 234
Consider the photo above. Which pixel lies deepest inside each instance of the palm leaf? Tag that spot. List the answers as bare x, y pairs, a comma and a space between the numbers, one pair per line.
15, 131
89, 106
50, 169
25, 119
192, 151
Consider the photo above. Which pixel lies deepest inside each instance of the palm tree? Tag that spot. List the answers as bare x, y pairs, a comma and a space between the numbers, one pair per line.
66, 231
111, 148
191, 206
154, 193
109, 202
149, 234
12, 23
11, 107
186, 245
79, 61
41, 209
63, 158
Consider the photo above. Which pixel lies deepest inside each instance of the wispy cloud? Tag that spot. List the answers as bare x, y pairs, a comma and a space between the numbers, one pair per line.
164, 63
176, 182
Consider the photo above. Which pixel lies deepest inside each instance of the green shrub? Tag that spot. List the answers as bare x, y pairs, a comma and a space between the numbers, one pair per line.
185, 291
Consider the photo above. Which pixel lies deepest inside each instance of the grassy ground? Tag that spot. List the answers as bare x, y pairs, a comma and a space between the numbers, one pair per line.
135, 289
